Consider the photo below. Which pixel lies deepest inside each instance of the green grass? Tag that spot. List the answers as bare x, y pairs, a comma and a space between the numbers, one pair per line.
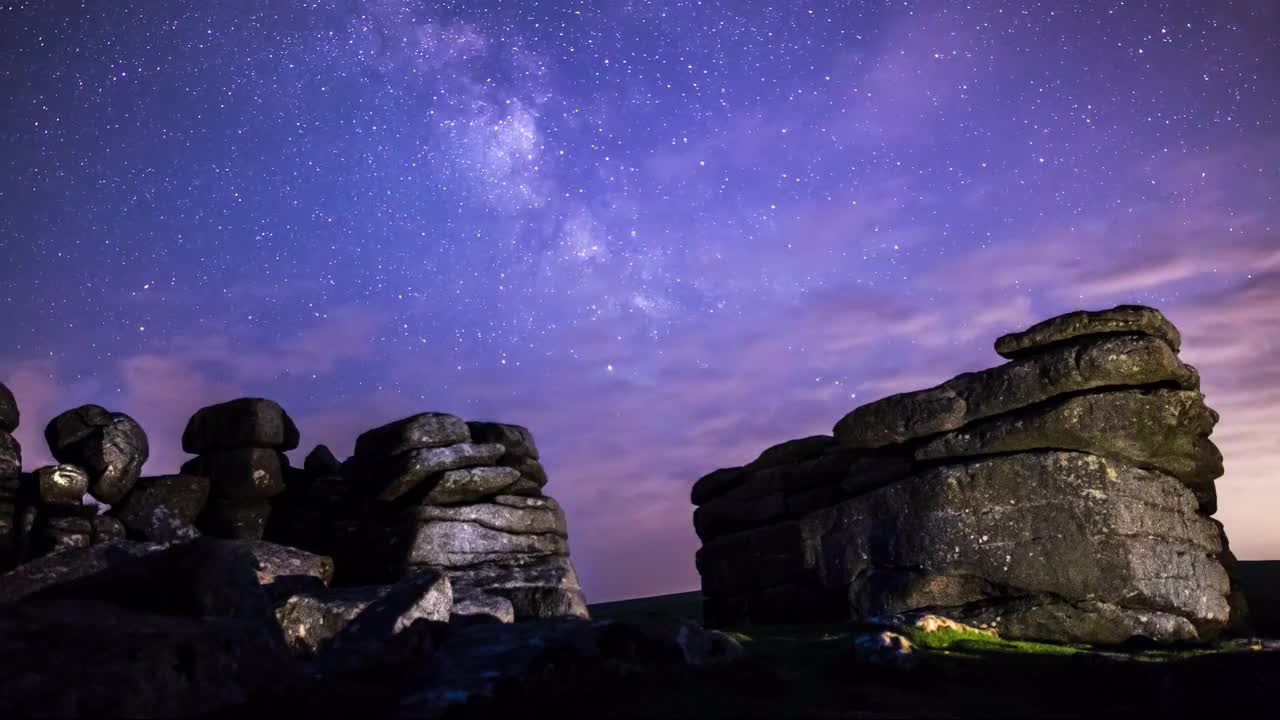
686, 605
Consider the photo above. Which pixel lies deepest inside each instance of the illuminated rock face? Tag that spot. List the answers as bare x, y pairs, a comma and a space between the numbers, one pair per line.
1065, 496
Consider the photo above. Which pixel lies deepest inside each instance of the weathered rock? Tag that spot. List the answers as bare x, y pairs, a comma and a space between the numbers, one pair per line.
106, 529
793, 451
286, 565
524, 487
469, 485
1164, 430
538, 587
450, 544
240, 423
407, 470
529, 469
470, 605
94, 659
164, 508
242, 474
321, 462
235, 520
1084, 364
66, 568
310, 620
62, 484
423, 596
515, 438
1137, 319
504, 514
1060, 525
60, 533
111, 447
425, 430
9, 415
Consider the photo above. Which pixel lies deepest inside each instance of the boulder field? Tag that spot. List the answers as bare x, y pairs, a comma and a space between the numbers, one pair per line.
1066, 496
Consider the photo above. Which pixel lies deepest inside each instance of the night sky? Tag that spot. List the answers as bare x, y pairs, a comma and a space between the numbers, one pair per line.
662, 235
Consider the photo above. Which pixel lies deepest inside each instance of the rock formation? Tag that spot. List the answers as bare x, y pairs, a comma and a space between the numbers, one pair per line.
1065, 496
10, 478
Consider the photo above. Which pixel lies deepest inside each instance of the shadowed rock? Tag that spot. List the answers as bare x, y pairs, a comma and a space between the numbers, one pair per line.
537, 587
235, 520
1137, 319
165, 508
470, 605
793, 451
529, 469
321, 462
1108, 361
311, 620
240, 423
515, 438
106, 529
425, 430
716, 482
9, 415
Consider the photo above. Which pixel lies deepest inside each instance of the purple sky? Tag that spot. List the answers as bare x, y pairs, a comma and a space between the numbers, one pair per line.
662, 235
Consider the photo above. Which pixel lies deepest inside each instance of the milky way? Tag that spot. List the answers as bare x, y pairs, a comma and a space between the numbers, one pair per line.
662, 235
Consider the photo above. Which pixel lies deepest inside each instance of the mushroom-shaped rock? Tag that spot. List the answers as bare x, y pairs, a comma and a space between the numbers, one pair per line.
240, 423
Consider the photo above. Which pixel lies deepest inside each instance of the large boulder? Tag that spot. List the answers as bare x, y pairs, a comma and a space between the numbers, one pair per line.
407, 470
536, 587
240, 423
111, 447
425, 430
1083, 364
9, 415
165, 508
1131, 319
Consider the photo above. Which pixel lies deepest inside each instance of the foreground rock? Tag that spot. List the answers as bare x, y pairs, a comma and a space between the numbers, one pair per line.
1064, 496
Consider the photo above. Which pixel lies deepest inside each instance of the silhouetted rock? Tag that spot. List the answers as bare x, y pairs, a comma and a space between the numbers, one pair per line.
425, 430
240, 423
1135, 319
321, 462
235, 520
165, 508
9, 415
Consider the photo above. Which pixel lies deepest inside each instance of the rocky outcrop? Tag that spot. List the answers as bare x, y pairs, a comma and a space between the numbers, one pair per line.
110, 447
1062, 496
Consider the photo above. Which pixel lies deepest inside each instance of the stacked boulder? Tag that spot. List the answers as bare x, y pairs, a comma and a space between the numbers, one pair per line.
110, 447
241, 446
465, 499
10, 478
1064, 496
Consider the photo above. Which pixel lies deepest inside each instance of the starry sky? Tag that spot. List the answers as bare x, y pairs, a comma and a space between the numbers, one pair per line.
663, 235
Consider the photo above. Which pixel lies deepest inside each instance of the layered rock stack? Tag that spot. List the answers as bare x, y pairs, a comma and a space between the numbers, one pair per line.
1065, 496
10, 477
464, 498
241, 446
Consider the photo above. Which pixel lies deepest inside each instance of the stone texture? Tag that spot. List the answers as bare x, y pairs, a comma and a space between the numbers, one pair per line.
529, 469
242, 474
311, 620
537, 587
1085, 364
110, 447
524, 487
407, 470
1164, 430
9, 415
1137, 319
424, 597
62, 484
106, 529
235, 520
469, 485
240, 423
425, 430
505, 514
164, 508
470, 605
515, 438
449, 544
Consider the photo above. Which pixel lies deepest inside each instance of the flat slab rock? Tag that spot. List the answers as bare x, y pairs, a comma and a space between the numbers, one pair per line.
240, 423
164, 508
449, 543
468, 485
1163, 430
424, 430
536, 587
505, 513
1108, 361
408, 470
1120, 319
515, 438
